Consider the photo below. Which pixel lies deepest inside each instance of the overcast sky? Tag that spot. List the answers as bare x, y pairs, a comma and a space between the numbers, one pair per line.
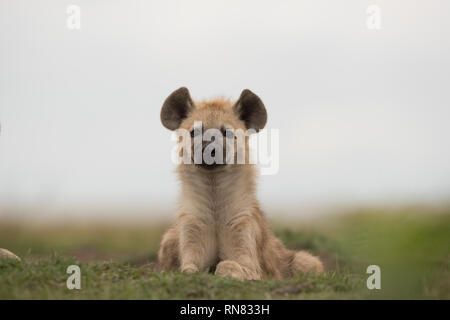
363, 114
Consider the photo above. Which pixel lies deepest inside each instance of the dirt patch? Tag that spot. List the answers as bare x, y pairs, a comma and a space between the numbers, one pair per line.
297, 289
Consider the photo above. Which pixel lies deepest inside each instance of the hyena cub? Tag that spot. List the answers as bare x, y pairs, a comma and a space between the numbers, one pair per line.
220, 226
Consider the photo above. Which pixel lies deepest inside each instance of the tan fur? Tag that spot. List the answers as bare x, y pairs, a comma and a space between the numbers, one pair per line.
220, 223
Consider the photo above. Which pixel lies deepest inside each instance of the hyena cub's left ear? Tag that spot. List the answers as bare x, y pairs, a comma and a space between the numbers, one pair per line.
251, 110
176, 108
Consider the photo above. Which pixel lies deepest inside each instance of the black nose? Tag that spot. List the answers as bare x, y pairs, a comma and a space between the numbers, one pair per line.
213, 152
213, 165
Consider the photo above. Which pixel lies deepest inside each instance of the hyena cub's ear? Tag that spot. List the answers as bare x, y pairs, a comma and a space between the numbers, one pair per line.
176, 108
251, 110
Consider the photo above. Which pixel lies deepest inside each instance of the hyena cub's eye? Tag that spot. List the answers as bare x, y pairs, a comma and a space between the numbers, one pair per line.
195, 132
227, 133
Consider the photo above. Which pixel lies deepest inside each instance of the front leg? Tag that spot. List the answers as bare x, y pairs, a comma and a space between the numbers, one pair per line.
198, 245
239, 249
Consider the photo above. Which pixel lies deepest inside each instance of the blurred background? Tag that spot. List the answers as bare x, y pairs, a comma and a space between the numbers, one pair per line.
363, 114
364, 175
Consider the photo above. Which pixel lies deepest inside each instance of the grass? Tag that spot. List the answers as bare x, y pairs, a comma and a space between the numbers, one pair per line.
111, 280
118, 261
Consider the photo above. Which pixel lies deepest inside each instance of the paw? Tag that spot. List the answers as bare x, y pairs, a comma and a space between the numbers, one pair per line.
305, 262
230, 269
189, 268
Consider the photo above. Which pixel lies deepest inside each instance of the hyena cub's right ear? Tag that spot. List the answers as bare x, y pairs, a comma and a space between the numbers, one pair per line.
250, 109
176, 108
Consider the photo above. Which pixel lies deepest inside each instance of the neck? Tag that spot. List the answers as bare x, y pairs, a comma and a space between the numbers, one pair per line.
228, 190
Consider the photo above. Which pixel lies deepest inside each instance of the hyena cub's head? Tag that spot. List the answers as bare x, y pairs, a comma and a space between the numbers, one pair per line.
213, 134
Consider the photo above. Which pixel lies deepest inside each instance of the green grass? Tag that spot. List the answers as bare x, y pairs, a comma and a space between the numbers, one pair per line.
118, 261
111, 280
